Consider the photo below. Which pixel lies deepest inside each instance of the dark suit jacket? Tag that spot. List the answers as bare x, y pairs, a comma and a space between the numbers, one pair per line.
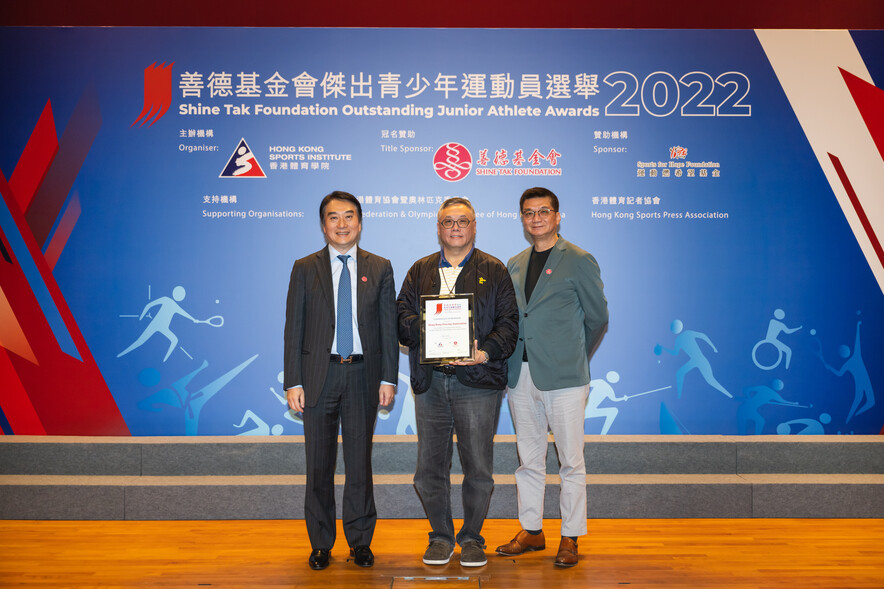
310, 323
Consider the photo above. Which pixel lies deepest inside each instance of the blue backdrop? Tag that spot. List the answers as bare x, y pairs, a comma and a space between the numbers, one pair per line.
729, 266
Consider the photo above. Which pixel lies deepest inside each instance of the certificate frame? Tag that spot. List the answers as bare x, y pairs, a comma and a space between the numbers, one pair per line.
449, 330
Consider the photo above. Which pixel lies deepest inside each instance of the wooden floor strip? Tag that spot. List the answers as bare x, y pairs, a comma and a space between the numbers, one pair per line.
696, 553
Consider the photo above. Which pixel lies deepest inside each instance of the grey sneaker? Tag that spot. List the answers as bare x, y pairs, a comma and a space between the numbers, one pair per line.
472, 555
438, 552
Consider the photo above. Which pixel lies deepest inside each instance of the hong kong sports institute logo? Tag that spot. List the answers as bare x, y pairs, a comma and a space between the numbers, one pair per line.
452, 162
242, 163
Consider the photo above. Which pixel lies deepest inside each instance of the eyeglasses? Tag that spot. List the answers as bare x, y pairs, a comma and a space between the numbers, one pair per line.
528, 214
448, 222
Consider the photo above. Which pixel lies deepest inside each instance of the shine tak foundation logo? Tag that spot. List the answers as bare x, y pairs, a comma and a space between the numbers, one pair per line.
452, 162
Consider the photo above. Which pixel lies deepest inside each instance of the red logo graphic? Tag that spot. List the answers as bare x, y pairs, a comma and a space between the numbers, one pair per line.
157, 93
678, 152
438, 308
452, 162
242, 164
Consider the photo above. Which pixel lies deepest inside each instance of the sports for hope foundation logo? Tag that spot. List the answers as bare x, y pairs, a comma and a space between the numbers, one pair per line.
452, 162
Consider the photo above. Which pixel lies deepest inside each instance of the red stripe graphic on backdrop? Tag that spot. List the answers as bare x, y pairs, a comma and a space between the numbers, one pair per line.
870, 102
5, 249
157, 93
63, 231
74, 146
835, 110
16, 404
35, 159
858, 207
12, 336
66, 395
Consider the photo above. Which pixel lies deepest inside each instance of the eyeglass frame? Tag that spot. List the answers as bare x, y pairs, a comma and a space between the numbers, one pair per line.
545, 212
452, 222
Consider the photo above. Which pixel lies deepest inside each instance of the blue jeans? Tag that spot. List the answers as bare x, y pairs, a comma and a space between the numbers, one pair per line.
450, 407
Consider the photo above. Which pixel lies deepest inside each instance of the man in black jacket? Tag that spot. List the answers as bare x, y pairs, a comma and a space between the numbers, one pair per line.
464, 396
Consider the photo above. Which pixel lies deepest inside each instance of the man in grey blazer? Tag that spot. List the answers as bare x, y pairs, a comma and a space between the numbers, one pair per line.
562, 315
341, 361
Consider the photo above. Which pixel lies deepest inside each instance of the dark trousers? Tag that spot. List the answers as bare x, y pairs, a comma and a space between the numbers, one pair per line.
344, 402
450, 407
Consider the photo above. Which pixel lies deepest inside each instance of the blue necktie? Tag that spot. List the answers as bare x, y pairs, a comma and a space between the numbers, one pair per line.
345, 312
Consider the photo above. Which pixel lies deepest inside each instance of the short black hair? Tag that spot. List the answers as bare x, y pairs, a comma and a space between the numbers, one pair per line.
539, 192
339, 195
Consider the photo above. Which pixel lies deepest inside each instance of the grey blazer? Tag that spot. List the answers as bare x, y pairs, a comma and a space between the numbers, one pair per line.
564, 320
310, 323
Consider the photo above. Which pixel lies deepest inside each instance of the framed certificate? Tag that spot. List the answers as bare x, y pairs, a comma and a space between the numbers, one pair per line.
447, 329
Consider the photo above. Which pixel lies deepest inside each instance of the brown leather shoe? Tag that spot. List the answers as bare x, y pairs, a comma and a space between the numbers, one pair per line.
567, 556
523, 542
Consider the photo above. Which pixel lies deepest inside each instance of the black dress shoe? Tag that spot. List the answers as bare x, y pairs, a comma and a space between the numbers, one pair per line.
319, 559
362, 556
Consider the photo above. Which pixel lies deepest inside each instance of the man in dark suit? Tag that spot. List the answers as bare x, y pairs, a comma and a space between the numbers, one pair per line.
341, 361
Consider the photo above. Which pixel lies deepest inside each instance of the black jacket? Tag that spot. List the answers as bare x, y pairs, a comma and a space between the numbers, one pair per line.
496, 316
